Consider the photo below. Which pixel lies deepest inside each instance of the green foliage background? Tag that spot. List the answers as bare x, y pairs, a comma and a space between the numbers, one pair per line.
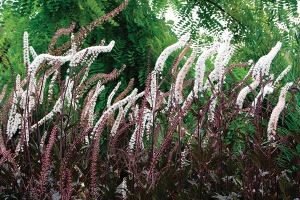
136, 30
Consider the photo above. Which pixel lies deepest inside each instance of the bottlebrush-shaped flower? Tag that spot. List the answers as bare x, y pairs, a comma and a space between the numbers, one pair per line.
160, 63
32, 51
282, 74
3, 92
243, 93
14, 119
225, 52
166, 53
117, 122
200, 68
133, 139
272, 125
80, 56
26, 49
46, 161
92, 103
111, 95
262, 66
181, 75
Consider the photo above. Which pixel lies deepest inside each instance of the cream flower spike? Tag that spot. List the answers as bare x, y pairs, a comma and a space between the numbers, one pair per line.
272, 125
262, 66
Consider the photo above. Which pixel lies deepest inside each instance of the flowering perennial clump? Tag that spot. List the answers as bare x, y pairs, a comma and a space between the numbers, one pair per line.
142, 134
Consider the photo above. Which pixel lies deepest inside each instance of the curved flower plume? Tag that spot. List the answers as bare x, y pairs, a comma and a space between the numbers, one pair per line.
181, 75
117, 122
243, 93
200, 68
80, 56
225, 52
261, 69
282, 74
272, 125
269, 88
166, 53
160, 63
262, 66
41, 58
112, 94
92, 103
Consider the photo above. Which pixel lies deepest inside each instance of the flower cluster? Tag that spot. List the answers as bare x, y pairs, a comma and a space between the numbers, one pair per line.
200, 68
272, 125
144, 136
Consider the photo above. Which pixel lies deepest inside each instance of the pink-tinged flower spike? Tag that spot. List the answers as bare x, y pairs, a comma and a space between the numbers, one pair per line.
42, 142
200, 68
181, 75
95, 156
250, 62
243, 93
3, 92
111, 95
46, 161
283, 73
2, 145
92, 103
95, 50
272, 125
262, 66
41, 89
187, 101
117, 122
25, 49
